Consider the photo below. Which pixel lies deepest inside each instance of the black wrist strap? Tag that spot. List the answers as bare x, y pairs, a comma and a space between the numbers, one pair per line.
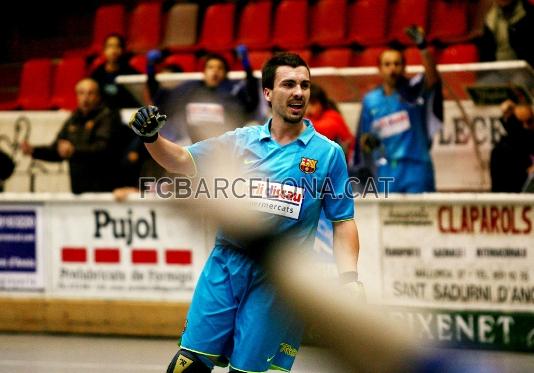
348, 277
149, 139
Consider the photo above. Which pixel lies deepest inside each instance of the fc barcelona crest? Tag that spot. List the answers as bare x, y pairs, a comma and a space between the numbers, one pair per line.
308, 165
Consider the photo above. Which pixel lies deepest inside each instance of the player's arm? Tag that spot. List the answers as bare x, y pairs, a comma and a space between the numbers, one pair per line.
346, 251
417, 34
346, 246
249, 96
146, 123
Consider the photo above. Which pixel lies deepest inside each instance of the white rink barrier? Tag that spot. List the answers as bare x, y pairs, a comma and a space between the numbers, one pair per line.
457, 267
456, 165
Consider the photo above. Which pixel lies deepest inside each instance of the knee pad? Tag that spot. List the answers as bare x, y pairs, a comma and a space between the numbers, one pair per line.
187, 362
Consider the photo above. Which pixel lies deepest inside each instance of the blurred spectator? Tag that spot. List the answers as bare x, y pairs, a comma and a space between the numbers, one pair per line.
508, 30
512, 157
326, 119
85, 141
398, 120
139, 164
7, 166
205, 108
115, 96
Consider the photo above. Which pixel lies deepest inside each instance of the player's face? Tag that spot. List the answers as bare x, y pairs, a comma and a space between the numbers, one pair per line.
112, 49
391, 67
290, 94
87, 96
214, 73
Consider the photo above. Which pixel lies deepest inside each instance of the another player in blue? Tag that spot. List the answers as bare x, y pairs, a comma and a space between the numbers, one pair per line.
236, 317
398, 121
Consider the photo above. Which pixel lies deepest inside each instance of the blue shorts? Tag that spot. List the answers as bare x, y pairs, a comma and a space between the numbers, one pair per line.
236, 316
410, 176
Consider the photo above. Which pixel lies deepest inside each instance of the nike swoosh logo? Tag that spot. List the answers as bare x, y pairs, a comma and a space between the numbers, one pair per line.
249, 161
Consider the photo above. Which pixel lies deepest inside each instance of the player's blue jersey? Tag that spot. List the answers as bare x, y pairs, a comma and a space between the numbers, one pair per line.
298, 179
404, 121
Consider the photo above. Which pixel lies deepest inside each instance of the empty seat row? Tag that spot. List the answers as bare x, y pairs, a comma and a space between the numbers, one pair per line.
345, 57
286, 24
45, 85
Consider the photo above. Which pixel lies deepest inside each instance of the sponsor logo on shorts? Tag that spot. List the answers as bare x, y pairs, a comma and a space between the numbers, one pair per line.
288, 349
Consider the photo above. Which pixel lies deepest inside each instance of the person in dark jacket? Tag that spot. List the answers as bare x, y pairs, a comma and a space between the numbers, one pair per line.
86, 142
508, 31
114, 95
512, 157
200, 109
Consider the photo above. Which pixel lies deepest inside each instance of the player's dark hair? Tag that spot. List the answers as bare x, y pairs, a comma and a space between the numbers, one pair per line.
268, 71
318, 94
120, 38
215, 56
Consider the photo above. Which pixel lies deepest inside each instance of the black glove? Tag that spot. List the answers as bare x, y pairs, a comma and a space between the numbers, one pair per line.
417, 35
146, 122
242, 52
369, 142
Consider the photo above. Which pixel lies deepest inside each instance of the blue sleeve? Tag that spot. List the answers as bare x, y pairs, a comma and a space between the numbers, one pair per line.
205, 153
338, 203
364, 125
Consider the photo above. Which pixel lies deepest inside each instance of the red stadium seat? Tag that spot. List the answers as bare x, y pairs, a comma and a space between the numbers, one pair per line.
305, 54
35, 85
69, 71
448, 20
368, 57
258, 58
290, 29
335, 57
218, 27
255, 25
181, 27
460, 53
367, 22
109, 19
404, 14
329, 26
183, 61
138, 62
412, 55
144, 27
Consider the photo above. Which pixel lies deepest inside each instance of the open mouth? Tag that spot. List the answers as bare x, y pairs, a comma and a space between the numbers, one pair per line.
296, 106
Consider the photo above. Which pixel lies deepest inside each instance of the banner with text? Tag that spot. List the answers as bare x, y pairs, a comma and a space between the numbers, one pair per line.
513, 331
460, 256
135, 251
21, 248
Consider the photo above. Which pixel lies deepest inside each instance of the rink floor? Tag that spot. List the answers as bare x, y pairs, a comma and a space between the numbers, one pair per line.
24, 353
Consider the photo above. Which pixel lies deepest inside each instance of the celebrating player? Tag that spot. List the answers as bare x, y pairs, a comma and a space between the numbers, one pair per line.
398, 120
236, 316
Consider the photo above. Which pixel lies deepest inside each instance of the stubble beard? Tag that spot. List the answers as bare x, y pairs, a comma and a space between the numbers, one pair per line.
293, 120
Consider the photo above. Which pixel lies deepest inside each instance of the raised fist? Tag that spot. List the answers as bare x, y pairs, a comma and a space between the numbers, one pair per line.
146, 122
417, 35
